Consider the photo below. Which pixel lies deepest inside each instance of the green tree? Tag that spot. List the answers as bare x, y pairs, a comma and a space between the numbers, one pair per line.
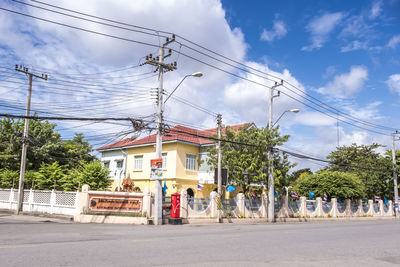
50, 176
335, 184
94, 174
291, 179
9, 178
249, 163
374, 170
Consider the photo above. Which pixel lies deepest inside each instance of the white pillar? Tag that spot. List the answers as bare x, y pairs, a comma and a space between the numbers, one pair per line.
146, 209
348, 211
264, 206
319, 212
52, 201
30, 200
214, 204
240, 204
334, 210
303, 207
371, 207
184, 204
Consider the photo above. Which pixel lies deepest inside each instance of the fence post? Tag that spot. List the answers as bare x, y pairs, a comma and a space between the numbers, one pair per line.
30, 200
146, 202
334, 209
390, 210
319, 212
241, 205
184, 204
52, 201
264, 205
381, 212
303, 207
284, 211
347, 211
371, 207
11, 197
213, 202
360, 210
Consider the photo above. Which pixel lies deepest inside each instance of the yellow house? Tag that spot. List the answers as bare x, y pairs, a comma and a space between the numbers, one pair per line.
184, 153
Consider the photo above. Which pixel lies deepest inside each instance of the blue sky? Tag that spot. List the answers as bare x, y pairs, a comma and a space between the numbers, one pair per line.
342, 53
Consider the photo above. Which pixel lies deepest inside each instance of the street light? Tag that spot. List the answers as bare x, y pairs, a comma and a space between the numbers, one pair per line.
196, 74
295, 110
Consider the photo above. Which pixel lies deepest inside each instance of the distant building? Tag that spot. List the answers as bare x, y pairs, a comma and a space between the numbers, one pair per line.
184, 153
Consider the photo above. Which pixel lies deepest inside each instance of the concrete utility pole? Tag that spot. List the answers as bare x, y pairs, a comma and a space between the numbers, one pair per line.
219, 171
159, 62
396, 189
25, 135
271, 197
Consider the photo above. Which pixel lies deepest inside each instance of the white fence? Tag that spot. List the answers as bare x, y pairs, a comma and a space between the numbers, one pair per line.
52, 202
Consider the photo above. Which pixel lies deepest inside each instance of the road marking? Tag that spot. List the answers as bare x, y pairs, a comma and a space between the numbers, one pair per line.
19, 246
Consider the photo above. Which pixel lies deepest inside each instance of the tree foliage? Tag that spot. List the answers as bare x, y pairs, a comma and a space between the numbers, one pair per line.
335, 184
249, 163
374, 170
52, 163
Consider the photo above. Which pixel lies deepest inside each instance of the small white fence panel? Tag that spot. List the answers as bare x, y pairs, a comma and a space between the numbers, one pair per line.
52, 202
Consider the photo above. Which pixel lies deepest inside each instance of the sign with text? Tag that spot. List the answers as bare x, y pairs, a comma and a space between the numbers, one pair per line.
156, 169
109, 203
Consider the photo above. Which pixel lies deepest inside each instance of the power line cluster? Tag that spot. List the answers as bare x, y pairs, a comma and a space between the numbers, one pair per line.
96, 88
290, 90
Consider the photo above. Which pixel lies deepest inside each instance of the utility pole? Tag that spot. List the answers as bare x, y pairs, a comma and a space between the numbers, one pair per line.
25, 135
219, 171
271, 189
396, 189
159, 63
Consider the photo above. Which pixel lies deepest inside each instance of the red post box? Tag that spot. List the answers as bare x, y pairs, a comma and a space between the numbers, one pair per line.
176, 205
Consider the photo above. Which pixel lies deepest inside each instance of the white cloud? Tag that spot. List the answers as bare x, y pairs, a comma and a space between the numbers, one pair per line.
277, 32
320, 28
394, 83
347, 84
376, 9
250, 101
394, 41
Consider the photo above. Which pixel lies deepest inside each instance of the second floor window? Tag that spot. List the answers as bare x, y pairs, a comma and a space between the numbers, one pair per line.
138, 162
164, 161
190, 162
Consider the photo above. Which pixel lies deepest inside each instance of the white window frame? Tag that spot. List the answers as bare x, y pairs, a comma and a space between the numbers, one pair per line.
106, 164
164, 160
118, 162
138, 163
191, 162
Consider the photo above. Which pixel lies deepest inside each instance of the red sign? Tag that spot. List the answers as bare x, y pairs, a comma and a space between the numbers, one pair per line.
156, 163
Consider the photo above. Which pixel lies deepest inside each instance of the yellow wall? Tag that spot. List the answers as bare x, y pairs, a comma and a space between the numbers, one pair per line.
181, 171
176, 175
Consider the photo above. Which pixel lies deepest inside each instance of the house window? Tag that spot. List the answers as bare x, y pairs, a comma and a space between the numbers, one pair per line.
120, 163
190, 162
138, 162
164, 161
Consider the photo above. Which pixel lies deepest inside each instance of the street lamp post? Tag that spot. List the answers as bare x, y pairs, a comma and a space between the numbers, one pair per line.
271, 187
196, 74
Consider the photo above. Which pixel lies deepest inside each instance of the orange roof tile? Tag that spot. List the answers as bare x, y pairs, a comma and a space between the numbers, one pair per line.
176, 133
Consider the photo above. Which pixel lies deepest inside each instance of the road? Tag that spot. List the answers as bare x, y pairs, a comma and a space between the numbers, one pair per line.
35, 241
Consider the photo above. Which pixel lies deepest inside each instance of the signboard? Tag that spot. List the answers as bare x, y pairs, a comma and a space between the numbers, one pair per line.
156, 169
108, 203
224, 174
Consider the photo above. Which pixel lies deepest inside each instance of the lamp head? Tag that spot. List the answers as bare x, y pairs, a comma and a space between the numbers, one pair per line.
295, 110
197, 74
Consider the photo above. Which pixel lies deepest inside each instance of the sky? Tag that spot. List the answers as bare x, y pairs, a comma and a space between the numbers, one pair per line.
339, 62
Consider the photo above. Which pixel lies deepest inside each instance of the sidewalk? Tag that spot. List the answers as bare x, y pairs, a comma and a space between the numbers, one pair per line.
35, 217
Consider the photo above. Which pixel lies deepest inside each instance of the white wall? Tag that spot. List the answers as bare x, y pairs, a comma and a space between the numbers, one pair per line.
113, 157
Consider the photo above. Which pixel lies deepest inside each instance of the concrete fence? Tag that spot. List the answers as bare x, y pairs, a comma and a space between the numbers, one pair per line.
39, 201
240, 207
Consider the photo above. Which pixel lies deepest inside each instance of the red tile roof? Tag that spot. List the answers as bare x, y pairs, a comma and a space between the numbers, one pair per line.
176, 133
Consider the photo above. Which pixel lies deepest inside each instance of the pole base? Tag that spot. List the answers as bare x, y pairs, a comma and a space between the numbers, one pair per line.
175, 221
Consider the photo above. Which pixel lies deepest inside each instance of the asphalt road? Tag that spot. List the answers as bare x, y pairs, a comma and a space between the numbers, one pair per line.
33, 241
